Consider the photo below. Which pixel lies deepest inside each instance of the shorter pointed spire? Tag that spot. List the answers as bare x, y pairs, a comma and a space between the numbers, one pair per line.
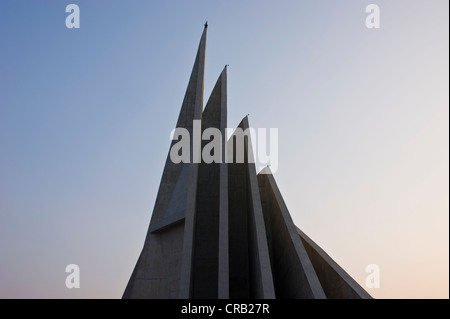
217, 100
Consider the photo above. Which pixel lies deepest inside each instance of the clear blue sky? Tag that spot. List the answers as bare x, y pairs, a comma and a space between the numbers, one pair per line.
85, 118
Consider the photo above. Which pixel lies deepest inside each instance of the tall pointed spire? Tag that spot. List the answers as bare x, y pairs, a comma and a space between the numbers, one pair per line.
157, 271
193, 100
170, 206
210, 249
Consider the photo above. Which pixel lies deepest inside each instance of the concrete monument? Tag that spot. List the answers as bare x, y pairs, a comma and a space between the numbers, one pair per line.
220, 230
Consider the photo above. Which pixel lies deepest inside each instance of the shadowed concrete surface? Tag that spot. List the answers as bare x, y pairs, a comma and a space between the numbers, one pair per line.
301, 269
250, 271
209, 200
219, 230
293, 273
336, 283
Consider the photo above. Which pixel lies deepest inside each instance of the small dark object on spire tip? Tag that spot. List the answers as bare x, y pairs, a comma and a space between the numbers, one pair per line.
206, 24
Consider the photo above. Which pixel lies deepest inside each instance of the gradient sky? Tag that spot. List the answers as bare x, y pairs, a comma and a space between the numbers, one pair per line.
85, 118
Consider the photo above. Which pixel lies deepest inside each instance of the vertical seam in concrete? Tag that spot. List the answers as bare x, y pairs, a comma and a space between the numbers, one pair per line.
223, 273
